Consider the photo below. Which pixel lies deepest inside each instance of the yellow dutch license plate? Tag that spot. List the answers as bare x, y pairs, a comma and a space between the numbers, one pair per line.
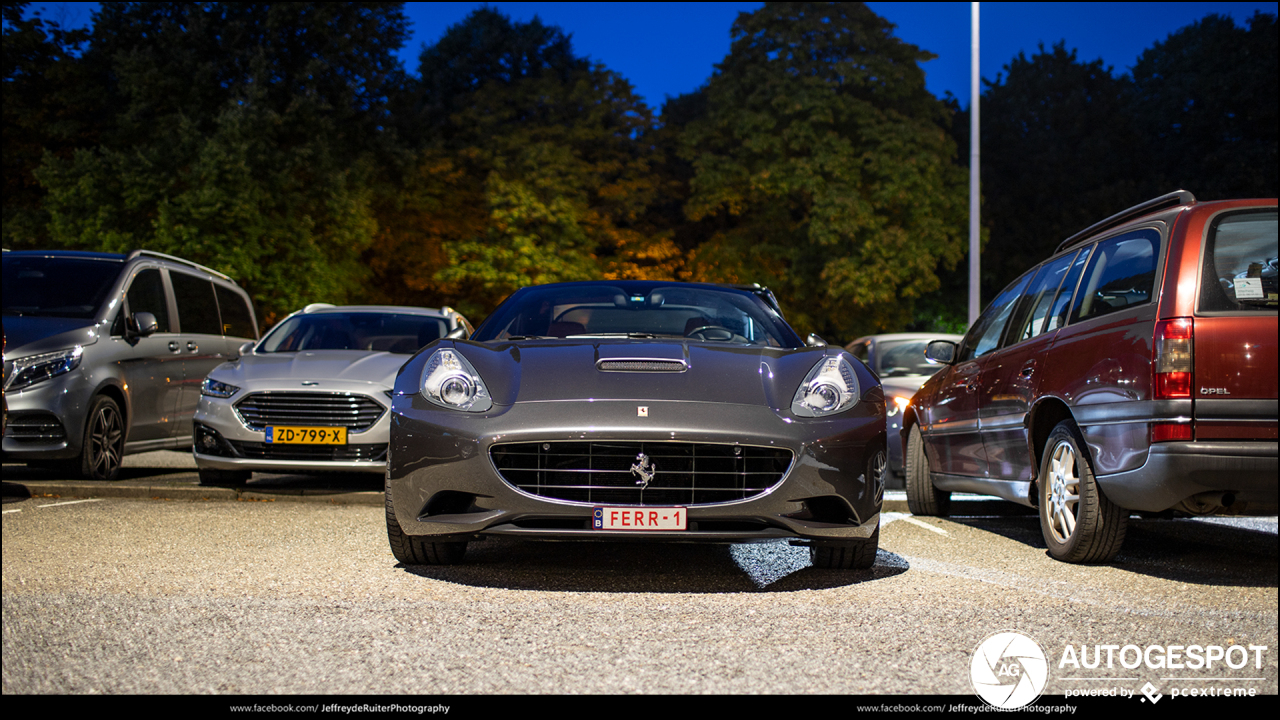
288, 435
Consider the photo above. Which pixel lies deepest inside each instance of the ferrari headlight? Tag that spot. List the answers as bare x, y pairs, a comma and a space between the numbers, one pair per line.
215, 388
450, 381
36, 368
829, 388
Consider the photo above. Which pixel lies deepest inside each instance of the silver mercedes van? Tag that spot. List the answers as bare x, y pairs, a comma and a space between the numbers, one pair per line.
105, 353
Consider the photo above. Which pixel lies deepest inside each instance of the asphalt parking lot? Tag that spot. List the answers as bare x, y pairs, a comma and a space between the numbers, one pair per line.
155, 585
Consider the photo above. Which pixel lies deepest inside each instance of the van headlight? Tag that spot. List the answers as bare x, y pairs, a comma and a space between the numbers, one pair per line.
449, 381
37, 368
829, 388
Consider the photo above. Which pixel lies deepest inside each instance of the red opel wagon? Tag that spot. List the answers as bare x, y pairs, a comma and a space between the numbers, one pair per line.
1132, 371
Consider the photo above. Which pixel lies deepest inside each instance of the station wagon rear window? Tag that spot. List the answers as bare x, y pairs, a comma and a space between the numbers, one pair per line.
1239, 272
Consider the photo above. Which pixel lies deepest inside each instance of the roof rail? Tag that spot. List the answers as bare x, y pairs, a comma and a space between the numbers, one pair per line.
1164, 202
317, 306
153, 253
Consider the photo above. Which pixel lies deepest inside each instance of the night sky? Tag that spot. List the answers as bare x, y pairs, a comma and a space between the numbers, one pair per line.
672, 48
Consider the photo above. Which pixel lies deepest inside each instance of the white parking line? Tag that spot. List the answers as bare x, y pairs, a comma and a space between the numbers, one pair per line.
71, 502
6, 512
886, 518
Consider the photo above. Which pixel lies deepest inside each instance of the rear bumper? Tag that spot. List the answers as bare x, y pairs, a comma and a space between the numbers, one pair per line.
1174, 472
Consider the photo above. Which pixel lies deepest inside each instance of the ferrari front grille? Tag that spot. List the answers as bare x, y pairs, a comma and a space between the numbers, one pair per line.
641, 473
354, 412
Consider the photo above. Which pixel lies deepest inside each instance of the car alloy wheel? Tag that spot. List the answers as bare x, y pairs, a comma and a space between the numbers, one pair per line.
1079, 523
103, 448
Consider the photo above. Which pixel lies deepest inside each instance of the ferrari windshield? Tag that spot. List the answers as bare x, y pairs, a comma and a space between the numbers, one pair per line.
703, 313
376, 332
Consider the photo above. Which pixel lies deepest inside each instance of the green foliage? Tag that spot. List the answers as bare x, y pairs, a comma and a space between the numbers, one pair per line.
243, 141
51, 104
828, 163
284, 145
542, 158
1206, 98
1059, 152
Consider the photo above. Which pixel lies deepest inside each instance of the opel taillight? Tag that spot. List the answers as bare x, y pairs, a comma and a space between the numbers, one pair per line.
1173, 370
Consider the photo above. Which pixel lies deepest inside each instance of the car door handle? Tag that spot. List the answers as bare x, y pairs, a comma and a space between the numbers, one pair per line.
1028, 369
192, 347
173, 347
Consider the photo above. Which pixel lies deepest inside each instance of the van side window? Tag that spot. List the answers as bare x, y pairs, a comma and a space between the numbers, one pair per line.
197, 308
1121, 274
986, 332
237, 318
146, 294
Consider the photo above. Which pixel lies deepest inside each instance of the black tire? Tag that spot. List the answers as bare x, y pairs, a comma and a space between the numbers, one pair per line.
858, 555
1079, 523
416, 551
103, 449
922, 497
224, 478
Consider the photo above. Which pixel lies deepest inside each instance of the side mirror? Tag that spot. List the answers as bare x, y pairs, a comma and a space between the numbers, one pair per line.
144, 324
245, 349
814, 341
458, 333
942, 352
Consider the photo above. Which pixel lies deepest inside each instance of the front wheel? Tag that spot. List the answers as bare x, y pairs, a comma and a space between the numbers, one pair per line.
103, 449
412, 550
922, 497
856, 555
1079, 523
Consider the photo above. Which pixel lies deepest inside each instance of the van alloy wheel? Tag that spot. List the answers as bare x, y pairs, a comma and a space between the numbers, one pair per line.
103, 441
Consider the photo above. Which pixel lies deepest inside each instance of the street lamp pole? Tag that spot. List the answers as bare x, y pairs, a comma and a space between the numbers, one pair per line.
974, 248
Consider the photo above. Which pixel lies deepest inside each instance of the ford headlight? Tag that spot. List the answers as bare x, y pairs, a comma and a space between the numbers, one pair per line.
36, 368
829, 388
218, 389
449, 381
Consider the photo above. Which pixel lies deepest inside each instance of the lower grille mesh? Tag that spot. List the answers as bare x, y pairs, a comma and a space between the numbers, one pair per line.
612, 472
322, 453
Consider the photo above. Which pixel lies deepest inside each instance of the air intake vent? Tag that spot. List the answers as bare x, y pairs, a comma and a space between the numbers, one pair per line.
614, 472
354, 412
642, 366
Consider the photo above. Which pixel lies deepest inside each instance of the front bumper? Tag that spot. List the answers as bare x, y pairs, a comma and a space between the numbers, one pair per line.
1176, 471
239, 447
442, 482
47, 419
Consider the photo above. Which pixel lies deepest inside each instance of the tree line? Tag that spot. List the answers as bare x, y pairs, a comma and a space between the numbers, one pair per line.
286, 146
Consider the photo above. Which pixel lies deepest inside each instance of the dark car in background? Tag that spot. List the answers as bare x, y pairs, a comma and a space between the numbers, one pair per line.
1132, 371
106, 353
898, 360
636, 411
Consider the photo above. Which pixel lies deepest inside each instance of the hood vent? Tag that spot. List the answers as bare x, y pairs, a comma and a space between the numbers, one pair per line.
640, 365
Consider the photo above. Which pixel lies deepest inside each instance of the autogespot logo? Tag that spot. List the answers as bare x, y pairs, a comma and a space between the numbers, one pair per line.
1008, 670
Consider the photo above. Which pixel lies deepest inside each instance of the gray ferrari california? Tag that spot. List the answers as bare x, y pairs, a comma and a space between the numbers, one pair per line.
636, 410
